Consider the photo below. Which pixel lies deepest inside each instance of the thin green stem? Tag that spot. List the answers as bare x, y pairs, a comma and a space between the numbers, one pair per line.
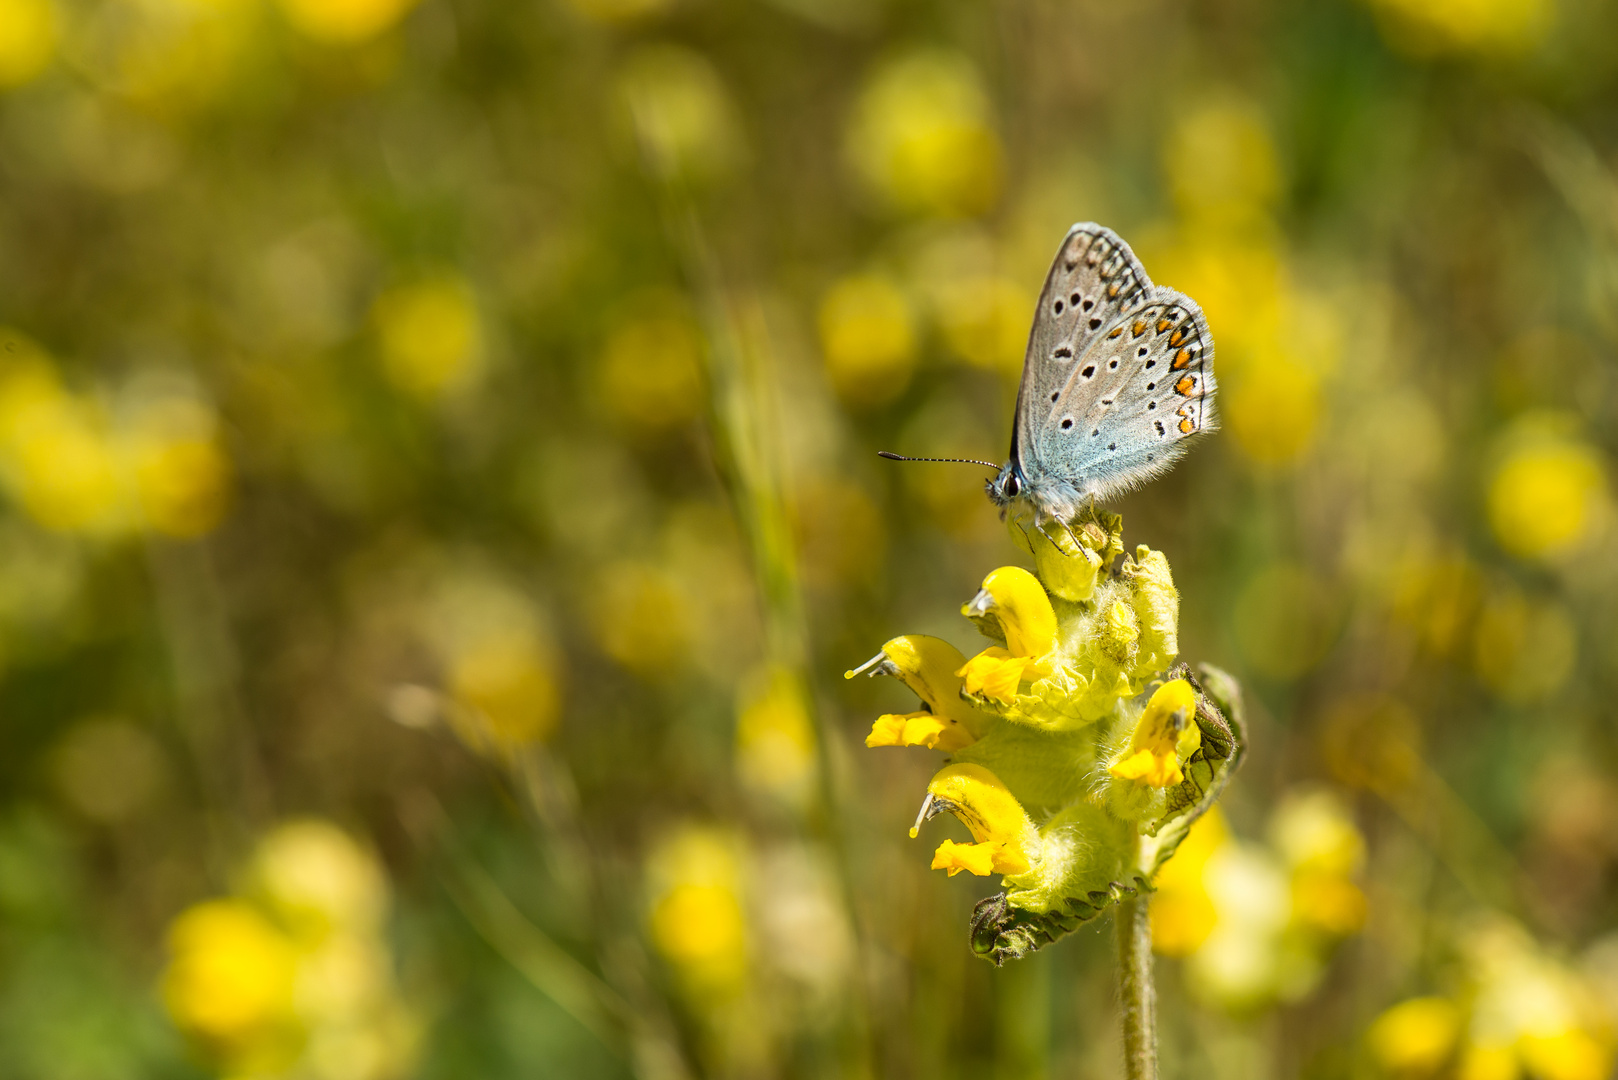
1137, 995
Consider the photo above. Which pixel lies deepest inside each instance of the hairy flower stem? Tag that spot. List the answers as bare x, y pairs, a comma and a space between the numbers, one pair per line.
1135, 989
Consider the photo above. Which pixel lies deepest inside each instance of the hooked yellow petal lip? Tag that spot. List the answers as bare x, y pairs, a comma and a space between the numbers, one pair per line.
1165, 737
1004, 835
929, 667
1015, 599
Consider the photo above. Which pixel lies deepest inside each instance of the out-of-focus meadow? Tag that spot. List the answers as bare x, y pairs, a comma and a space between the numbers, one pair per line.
439, 503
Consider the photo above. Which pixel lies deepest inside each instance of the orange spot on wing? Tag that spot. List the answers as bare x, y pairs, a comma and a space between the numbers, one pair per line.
1116, 332
1112, 291
1139, 328
1179, 335
1186, 426
1182, 358
1186, 385
1162, 325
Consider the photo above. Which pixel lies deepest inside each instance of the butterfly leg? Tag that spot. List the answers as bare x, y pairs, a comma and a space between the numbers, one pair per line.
1040, 525
1068, 525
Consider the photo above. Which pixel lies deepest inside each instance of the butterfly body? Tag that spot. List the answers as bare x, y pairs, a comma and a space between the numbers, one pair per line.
1117, 378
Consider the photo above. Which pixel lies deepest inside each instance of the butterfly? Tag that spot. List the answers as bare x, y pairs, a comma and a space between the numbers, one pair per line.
1117, 379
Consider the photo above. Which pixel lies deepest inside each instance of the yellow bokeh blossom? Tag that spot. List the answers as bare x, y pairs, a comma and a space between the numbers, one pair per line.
1221, 163
511, 681
1416, 1037
1518, 1011
698, 920
775, 735
56, 450
344, 22
1182, 913
868, 339
27, 40
294, 976
1524, 648
181, 475
231, 982
1548, 494
682, 114
984, 318
430, 335
650, 376
638, 615
922, 136
1486, 27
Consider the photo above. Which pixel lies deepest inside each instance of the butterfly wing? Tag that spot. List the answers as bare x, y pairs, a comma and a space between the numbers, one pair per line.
1118, 374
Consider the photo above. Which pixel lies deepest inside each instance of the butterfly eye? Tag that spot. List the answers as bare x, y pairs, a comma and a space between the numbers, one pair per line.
1011, 486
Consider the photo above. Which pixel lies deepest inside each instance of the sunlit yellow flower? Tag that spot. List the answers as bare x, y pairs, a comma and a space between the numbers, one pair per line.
650, 373
922, 137
1003, 836
1165, 735
230, 982
1416, 1037
344, 22
27, 40
868, 339
775, 735
1489, 27
682, 114
1549, 492
431, 336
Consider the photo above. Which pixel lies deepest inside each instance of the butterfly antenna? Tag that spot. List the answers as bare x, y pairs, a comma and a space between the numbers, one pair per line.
891, 456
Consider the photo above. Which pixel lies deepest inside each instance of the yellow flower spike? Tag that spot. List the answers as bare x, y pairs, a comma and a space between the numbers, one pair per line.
1013, 602
1003, 833
1164, 737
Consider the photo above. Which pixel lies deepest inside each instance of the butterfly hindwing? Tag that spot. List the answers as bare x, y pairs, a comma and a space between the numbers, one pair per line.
1144, 385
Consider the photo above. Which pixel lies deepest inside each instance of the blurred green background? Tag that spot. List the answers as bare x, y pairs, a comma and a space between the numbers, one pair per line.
439, 500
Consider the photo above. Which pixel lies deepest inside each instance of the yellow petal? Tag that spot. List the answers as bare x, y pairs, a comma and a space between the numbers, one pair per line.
1017, 601
992, 813
1164, 737
889, 730
930, 668
973, 858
